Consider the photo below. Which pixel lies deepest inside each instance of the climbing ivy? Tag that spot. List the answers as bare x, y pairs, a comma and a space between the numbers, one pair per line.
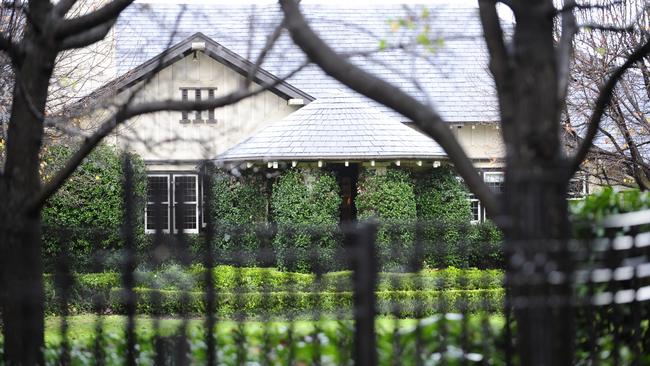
305, 206
389, 198
86, 214
239, 211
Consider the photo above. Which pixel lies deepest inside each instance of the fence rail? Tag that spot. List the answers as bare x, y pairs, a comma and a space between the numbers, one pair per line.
363, 293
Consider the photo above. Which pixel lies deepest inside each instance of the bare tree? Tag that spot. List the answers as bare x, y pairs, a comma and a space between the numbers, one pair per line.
610, 35
31, 50
531, 73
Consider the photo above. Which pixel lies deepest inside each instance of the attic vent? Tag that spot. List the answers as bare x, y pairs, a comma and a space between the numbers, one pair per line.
198, 46
199, 116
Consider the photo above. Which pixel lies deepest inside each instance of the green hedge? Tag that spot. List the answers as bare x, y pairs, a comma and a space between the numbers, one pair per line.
441, 196
388, 197
240, 204
85, 215
305, 205
306, 304
91, 287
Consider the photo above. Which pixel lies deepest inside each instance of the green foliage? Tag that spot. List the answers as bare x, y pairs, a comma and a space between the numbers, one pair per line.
240, 205
305, 206
588, 212
86, 214
96, 288
303, 304
442, 201
441, 196
390, 199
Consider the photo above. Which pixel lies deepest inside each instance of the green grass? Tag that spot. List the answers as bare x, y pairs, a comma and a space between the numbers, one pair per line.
256, 342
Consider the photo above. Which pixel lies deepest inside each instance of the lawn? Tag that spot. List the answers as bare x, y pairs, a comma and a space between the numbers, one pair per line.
275, 342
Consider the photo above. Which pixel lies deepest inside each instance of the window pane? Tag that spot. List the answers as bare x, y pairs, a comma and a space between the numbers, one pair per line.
184, 99
186, 199
185, 189
157, 189
476, 209
157, 217
576, 188
494, 181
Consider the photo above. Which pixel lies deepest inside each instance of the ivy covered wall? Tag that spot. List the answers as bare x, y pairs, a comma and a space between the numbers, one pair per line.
240, 209
388, 197
305, 207
86, 214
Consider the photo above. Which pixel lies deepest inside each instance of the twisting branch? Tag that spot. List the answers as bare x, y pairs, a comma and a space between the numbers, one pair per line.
270, 42
12, 49
603, 101
107, 13
387, 94
88, 37
62, 7
129, 111
564, 49
500, 60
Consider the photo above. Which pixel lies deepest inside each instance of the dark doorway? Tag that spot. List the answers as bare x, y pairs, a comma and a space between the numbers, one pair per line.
347, 177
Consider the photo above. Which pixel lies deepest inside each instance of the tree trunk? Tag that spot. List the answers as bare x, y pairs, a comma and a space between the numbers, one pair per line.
537, 227
536, 244
20, 228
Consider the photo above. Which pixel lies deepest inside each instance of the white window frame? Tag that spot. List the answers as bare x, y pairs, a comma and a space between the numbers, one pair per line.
583, 193
195, 202
483, 213
152, 231
472, 198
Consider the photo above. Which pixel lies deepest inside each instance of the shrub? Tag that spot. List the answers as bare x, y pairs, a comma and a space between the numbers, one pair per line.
240, 205
284, 305
588, 212
440, 196
390, 199
85, 216
305, 206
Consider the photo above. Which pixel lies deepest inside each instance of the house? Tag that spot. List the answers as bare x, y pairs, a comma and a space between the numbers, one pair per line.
309, 119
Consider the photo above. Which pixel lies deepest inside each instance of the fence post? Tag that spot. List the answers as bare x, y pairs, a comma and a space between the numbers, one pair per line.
364, 266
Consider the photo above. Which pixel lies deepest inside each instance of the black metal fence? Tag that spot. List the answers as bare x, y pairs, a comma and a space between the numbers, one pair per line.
375, 296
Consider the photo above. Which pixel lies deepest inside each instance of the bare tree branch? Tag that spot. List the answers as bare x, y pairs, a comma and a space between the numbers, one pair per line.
385, 93
63, 7
130, 111
12, 49
564, 49
603, 101
270, 42
106, 14
500, 61
87, 37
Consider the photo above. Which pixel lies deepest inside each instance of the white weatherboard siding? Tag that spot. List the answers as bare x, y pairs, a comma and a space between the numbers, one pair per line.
162, 137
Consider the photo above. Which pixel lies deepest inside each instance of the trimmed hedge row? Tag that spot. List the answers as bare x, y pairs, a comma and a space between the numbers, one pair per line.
307, 304
88, 288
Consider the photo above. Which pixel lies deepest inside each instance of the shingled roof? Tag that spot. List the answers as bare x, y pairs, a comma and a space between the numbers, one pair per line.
337, 127
454, 75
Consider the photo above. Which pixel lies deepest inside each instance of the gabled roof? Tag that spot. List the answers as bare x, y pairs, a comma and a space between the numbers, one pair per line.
183, 49
454, 76
339, 127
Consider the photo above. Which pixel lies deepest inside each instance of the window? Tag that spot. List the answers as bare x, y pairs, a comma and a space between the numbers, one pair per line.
198, 94
475, 206
184, 114
172, 201
199, 114
156, 215
577, 188
211, 118
495, 181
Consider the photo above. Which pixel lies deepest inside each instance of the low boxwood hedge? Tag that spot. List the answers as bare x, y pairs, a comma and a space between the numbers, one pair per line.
91, 290
305, 304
